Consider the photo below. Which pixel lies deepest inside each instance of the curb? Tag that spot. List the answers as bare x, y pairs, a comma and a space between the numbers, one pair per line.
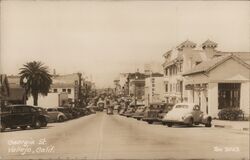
230, 127
245, 129
223, 126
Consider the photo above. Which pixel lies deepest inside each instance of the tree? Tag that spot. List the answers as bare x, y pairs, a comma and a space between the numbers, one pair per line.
35, 78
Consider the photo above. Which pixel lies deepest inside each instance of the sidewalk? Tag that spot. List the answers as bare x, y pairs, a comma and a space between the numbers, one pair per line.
239, 125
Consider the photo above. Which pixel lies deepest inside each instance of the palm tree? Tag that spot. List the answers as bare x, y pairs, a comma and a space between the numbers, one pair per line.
35, 78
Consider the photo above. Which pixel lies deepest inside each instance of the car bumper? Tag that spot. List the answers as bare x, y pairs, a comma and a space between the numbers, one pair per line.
174, 121
150, 119
137, 116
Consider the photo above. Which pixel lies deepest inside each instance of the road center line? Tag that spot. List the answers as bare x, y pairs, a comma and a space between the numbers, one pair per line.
100, 142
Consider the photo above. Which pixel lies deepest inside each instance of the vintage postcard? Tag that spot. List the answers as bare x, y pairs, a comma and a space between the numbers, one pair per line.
124, 79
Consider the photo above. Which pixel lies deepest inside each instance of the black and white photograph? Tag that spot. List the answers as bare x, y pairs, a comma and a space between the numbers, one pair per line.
124, 79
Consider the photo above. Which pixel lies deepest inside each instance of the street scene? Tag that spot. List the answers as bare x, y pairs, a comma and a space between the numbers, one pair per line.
113, 137
124, 80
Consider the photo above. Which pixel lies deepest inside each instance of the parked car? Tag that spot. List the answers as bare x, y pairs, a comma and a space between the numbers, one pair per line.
155, 111
66, 112
110, 110
139, 113
22, 116
55, 115
188, 114
122, 111
168, 107
100, 105
132, 108
129, 112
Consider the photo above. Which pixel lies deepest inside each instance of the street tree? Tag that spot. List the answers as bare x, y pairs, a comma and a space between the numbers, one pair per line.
36, 79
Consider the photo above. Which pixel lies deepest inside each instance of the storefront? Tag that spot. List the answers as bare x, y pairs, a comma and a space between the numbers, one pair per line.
221, 83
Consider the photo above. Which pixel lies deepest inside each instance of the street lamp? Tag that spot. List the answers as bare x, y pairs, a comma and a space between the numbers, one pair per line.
136, 77
25, 81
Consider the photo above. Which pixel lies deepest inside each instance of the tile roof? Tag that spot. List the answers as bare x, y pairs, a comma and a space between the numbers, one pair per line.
206, 66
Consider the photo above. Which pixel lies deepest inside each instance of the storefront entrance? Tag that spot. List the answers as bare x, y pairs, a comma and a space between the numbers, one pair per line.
229, 95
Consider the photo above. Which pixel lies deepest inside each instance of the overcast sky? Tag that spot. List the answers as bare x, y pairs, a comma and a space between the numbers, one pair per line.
104, 38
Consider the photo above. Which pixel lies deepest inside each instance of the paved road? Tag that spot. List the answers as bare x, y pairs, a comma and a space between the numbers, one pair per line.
100, 136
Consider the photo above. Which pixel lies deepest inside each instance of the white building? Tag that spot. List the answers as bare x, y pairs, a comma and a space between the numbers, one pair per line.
63, 91
154, 88
213, 79
222, 82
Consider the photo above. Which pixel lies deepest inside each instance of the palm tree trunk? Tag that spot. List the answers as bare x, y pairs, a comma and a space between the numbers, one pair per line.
35, 98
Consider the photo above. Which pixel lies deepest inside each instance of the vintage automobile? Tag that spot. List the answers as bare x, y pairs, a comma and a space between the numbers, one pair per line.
155, 111
55, 115
129, 112
164, 111
66, 112
110, 110
188, 114
139, 113
132, 108
22, 116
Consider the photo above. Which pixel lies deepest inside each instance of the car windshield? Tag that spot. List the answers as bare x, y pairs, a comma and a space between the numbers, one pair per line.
181, 106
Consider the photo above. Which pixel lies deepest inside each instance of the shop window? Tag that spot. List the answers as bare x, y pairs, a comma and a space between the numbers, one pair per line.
229, 95
69, 91
166, 71
55, 91
166, 87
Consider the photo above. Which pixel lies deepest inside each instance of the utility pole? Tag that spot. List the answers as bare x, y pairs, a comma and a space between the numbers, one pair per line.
80, 89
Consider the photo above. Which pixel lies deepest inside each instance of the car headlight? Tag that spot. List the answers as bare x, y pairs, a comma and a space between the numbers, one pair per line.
182, 117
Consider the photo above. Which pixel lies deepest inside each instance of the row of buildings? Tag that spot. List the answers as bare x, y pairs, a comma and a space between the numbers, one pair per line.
196, 74
64, 91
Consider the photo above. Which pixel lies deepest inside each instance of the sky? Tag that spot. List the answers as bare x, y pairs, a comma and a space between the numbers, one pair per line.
104, 38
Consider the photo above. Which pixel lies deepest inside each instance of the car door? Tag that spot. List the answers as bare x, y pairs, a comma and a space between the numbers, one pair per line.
52, 112
27, 115
16, 116
196, 113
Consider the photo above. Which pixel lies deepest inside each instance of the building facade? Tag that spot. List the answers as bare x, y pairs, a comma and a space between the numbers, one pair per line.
64, 91
222, 82
154, 88
198, 75
136, 85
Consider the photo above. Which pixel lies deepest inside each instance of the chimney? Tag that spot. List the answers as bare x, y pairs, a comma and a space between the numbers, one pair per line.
209, 48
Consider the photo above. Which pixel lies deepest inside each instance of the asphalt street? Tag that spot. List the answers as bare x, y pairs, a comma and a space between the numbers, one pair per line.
101, 136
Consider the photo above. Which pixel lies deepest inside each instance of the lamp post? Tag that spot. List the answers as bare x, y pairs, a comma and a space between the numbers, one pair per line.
80, 89
136, 77
25, 82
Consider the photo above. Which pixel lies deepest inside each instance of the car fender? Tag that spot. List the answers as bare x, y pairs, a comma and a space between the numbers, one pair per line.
187, 117
206, 118
61, 114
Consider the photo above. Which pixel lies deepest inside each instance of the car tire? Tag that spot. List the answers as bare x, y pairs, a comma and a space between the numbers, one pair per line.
3, 126
13, 127
150, 122
191, 121
169, 124
44, 124
164, 123
208, 124
60, 119
37, 124
23, 127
